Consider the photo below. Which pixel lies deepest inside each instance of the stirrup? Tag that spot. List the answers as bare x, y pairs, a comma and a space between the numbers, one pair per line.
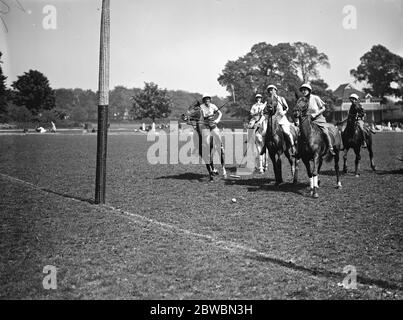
332, 152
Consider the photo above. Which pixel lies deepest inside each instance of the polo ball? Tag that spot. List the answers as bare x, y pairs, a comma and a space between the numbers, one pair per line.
233, 200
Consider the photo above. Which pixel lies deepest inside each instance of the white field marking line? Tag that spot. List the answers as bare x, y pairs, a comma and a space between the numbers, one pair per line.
230, 246
227, 245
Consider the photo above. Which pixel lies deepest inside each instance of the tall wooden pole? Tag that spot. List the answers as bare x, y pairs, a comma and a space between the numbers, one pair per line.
103, 102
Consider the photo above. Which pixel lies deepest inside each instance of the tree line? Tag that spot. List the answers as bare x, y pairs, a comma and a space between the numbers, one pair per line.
289, 65
31, 99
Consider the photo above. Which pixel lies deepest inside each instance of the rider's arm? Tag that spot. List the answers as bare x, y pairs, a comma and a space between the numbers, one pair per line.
219, 116
321, 107
284, 105
361, 113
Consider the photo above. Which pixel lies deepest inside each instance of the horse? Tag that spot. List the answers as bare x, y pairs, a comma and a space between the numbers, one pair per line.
194, 114
353, 137
312, 146
259, 123
277, 143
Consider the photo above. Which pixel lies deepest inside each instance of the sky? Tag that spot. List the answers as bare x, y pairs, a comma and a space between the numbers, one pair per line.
185, 44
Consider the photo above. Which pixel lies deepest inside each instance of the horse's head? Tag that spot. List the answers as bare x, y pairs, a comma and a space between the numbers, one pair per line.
301, 108
253, 120
193, 112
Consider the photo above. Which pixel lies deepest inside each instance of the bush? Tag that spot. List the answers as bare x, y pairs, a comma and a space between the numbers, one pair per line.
19, 113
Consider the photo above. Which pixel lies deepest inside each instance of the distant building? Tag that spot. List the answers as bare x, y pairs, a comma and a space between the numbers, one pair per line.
372, 105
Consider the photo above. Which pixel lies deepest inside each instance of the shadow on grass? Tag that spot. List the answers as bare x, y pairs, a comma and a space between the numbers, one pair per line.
184, 176
384, 172
329, 173
69, 196
318, 271
255, 185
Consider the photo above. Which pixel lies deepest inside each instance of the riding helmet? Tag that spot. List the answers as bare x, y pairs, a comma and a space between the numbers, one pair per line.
271, 86
306, 86
354, 96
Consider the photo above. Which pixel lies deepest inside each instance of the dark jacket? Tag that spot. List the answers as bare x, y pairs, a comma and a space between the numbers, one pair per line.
356, 112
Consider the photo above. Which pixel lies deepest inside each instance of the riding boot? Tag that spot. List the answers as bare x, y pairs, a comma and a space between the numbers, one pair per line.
329, 143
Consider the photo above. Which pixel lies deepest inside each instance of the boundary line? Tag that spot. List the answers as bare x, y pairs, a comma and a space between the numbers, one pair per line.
226, 245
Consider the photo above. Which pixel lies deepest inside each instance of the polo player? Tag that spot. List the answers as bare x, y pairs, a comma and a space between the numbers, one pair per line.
316, 107
279, 104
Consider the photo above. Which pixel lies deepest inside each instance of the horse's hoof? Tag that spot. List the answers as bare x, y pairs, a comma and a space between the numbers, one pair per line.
261, 171
357, 175
373, 168
344, 170
338, 185
211, 179
315, 195
295, 181
318, 184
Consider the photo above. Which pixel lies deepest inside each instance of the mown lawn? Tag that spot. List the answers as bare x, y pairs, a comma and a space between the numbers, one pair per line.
101, 253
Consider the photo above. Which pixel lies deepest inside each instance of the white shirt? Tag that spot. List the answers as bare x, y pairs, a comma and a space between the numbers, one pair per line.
281, 111
257, 108
208, 111
315, 104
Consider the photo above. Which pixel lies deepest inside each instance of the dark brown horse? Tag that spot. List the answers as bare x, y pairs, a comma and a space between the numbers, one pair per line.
194, 117
353, 137
312, 145
277, 143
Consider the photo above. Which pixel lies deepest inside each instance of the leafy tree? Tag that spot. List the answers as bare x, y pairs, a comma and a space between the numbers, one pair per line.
152, 102
65, 100
3, 93
120, 101
380, 68
265, 64
307, 60
19, 113
87, 101
33, 91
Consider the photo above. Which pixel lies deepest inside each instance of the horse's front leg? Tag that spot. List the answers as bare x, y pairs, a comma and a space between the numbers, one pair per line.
309, 173
293, 164
336, 168
219, 147
279, 170
259, 146
370, 152
345, 159
315, 177
357, 160
224, 171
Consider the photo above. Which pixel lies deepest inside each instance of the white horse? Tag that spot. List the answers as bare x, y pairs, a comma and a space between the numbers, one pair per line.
259, 122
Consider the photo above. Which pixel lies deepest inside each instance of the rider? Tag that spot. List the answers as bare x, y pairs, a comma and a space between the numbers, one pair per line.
209, 110
315, 109
357, 113
279, 104
258, 107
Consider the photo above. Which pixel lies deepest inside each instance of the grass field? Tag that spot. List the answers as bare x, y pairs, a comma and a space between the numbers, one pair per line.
167, 233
